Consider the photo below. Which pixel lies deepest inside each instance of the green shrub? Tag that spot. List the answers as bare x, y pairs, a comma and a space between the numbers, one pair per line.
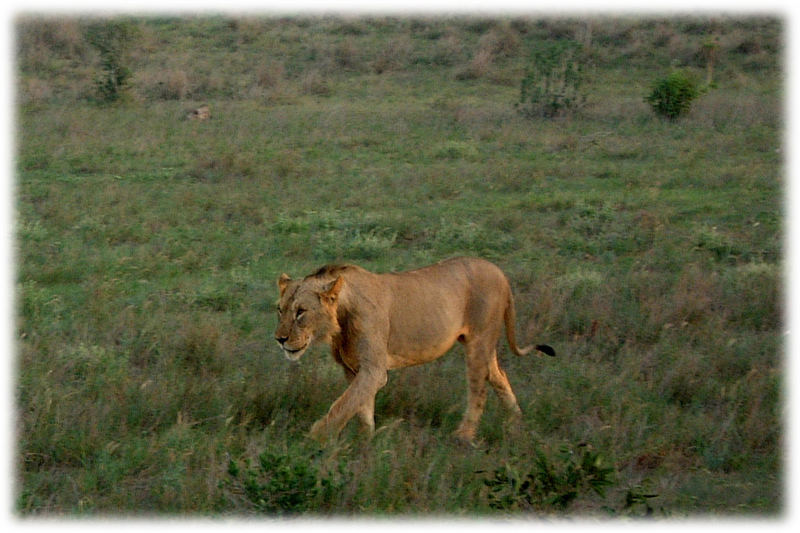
286, 484
551, 484
112, 39
672, 96
637, 501
552, 83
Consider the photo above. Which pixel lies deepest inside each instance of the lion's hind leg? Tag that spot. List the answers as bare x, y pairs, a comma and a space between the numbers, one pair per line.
482, 366
499, 381
477, 355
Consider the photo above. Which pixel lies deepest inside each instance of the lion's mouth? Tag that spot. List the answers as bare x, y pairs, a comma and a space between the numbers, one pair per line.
293, 354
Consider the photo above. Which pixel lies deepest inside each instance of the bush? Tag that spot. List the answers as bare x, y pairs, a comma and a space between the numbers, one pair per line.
672, 96
552, 84
286, 484
112, 40
551, 485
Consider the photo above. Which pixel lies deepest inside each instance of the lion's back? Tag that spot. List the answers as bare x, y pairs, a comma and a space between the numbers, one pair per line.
438, 304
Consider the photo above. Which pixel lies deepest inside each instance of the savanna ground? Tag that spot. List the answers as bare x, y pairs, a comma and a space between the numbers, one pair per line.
648, 252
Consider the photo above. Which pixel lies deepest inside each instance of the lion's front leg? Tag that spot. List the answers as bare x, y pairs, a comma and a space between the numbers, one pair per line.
367, 412
359, 398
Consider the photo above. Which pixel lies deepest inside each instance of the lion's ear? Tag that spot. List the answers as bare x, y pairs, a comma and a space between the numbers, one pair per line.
331, 291
283, 281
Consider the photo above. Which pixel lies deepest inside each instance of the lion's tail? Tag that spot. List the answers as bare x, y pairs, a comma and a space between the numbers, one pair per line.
510, 317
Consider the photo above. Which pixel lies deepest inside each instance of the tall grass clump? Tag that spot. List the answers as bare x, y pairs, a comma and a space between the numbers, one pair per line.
113, 40
553, 82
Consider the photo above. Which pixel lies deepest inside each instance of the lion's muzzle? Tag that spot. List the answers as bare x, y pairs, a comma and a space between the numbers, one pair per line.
292, 354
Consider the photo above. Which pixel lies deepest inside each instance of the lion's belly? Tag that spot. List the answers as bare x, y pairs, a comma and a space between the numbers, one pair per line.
402, 360
427, 319
425, 345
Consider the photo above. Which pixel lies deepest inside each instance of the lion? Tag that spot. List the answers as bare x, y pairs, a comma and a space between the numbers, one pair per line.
380, 322
201, 113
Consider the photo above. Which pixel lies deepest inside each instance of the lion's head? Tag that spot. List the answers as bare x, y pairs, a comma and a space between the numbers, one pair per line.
306, 313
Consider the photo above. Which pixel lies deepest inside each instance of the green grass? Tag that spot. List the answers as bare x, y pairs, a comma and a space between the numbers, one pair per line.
648, 253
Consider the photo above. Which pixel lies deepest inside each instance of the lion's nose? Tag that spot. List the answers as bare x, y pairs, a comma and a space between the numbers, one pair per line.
281, 340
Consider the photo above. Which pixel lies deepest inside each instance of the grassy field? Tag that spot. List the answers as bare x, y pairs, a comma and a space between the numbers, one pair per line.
648, 252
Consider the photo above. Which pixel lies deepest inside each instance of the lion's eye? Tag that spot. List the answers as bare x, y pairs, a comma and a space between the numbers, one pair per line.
300, 312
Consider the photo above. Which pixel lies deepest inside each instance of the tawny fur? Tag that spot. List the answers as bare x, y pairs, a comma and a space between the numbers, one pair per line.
379, 322
201, 113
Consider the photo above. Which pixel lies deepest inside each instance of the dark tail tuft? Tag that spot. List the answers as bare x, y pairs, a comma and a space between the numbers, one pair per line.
545, 349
